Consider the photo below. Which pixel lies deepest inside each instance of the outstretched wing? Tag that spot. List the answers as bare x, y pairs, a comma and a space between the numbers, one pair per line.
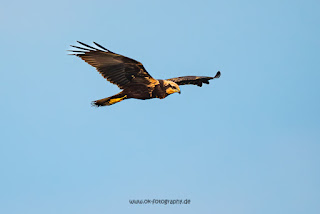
194, 80
117, 69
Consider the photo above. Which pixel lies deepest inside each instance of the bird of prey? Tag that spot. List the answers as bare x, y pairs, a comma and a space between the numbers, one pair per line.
130, 76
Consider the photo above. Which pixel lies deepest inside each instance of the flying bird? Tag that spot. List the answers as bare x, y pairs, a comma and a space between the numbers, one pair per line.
130, 76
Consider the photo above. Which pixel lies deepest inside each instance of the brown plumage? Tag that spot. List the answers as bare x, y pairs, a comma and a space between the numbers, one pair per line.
130, 75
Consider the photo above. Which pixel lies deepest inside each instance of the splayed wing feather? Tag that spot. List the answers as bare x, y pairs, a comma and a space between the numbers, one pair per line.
100, 46
88, 46
86, 49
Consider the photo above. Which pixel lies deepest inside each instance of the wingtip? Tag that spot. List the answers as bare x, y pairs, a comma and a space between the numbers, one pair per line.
79, 42
217, 75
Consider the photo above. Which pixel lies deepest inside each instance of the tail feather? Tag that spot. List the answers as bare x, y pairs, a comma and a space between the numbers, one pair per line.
109, 100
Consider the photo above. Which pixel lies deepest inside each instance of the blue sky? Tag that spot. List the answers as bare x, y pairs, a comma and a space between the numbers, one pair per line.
246, 143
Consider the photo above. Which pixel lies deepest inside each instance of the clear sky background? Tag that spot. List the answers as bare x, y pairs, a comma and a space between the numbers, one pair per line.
248, 143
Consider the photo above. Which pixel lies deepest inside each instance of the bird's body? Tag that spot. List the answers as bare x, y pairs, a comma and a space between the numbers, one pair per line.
131, 76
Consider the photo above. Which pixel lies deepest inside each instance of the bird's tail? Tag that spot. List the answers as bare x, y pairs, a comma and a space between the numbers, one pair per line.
109, 100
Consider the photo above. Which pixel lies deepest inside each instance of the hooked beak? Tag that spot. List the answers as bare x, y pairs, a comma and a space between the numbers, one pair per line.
173, 90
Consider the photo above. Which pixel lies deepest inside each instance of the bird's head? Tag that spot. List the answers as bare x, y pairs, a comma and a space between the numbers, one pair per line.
171, 87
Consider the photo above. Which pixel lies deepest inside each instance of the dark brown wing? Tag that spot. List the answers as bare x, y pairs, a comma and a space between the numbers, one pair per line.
117, 69
194, 80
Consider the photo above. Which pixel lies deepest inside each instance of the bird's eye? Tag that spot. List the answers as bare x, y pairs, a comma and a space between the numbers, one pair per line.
174, 87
